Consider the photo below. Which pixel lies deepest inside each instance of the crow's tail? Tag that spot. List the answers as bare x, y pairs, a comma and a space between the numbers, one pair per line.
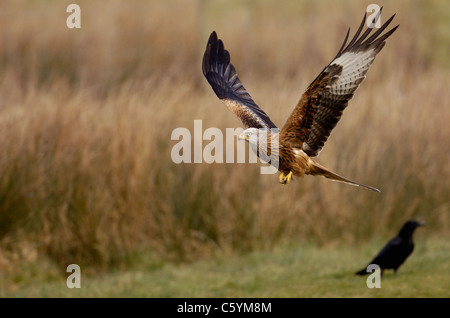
362, 272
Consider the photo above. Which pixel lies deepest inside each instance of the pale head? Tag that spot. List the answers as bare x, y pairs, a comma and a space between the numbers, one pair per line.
264, 143
251, 135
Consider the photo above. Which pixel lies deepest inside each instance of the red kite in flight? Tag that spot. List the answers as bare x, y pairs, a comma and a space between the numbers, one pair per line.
316, 114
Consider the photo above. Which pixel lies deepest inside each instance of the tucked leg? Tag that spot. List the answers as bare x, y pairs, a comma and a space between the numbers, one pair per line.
288, 177
285, 179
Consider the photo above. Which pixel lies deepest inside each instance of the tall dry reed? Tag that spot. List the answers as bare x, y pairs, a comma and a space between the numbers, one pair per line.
86, 118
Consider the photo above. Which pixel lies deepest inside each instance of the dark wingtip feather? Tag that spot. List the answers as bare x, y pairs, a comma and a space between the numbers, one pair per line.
355, 37
375, 40
212, 37
386, 35
222, 77
343, 43
211, 45
379, 31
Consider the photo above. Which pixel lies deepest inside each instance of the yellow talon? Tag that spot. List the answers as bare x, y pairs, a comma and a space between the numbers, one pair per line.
289, 177
285, 179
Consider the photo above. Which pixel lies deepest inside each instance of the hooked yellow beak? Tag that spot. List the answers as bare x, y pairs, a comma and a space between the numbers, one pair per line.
243, 137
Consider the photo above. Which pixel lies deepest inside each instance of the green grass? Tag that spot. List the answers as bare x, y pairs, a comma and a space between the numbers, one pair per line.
286, 271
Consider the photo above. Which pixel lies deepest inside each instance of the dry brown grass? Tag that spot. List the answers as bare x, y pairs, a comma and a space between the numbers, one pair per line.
86, 118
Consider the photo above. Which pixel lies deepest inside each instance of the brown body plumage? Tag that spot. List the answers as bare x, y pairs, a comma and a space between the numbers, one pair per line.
316, 114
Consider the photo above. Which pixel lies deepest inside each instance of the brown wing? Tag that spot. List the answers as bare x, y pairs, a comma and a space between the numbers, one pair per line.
324, 101
223, 79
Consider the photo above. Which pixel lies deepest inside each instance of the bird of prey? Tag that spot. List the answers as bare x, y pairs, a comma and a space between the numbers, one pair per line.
317, 112
397, 250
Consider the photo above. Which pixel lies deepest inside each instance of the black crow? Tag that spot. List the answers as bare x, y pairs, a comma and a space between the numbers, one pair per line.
397, 250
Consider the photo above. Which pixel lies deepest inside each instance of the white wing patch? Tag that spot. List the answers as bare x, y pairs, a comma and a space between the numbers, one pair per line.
354, 68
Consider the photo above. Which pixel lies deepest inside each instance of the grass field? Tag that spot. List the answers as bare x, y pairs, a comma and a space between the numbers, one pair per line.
285, 271
86, 176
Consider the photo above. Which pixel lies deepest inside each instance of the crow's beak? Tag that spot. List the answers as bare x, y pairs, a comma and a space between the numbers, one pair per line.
422, 223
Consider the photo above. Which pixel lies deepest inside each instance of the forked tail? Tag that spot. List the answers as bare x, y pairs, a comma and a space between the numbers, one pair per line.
318, 170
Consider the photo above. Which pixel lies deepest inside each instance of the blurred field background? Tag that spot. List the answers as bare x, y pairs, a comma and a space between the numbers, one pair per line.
86, 117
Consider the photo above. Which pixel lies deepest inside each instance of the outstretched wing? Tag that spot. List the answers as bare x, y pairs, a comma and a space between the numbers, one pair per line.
223, 79
324, 101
